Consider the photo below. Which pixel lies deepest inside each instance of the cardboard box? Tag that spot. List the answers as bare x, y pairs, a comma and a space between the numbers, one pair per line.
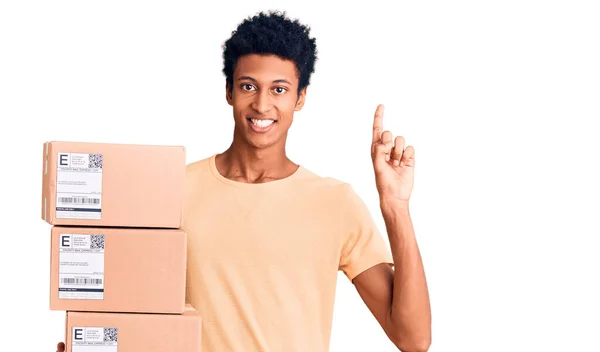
112, 332
101, 184
118, 269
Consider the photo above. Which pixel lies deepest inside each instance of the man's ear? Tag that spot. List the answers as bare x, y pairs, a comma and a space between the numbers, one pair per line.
228, 94
301, 99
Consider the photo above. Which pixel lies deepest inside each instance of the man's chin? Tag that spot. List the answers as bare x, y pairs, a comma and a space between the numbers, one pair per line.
260, 142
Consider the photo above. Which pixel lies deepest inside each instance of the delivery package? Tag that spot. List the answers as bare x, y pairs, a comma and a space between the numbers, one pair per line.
134, 332
118, 269
122, 185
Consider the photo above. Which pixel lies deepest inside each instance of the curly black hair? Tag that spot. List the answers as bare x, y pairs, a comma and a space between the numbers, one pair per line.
272, 33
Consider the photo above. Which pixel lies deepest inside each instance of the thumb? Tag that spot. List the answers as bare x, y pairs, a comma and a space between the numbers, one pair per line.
381, 155
382, 151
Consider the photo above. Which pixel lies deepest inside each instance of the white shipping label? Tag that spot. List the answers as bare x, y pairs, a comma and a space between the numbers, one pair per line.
94, 339
81, 266
79, 186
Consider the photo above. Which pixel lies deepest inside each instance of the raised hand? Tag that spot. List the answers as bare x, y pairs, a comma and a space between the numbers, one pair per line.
393, 164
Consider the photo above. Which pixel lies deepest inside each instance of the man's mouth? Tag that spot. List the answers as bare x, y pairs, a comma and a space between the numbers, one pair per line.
262, 123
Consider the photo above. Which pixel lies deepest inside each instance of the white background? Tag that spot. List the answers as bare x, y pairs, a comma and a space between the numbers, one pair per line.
500, 100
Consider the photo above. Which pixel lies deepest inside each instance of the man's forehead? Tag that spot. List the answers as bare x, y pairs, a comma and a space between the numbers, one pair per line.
265, 69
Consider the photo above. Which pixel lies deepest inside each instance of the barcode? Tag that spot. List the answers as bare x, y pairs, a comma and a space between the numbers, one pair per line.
79, 200
80, 281
111, 334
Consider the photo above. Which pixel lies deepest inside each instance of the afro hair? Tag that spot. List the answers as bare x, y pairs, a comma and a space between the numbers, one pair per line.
272, 33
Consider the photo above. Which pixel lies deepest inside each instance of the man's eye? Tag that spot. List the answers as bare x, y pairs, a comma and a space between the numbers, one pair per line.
247, 86
280, 90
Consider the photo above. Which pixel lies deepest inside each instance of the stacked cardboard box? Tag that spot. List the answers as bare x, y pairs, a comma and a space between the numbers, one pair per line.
118, 252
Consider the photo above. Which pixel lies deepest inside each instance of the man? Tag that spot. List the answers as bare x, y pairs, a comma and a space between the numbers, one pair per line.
267, 237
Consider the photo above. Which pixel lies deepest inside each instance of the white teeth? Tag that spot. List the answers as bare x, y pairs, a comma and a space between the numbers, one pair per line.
262, 123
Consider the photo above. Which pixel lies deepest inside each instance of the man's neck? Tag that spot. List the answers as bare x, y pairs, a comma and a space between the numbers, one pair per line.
254, 165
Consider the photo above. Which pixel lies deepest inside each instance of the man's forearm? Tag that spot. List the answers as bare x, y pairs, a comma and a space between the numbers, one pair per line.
410, 313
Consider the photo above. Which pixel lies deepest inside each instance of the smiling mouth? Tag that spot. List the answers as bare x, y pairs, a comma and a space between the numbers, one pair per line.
261, 123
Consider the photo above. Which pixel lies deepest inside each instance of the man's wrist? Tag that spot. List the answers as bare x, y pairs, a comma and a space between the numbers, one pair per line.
394, 205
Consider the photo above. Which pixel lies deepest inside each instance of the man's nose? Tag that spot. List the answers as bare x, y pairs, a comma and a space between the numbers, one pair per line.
262, 102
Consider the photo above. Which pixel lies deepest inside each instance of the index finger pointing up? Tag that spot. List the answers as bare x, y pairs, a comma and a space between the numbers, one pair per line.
378, 124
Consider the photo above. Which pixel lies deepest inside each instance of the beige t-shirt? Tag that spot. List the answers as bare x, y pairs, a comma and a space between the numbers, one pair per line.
263, 259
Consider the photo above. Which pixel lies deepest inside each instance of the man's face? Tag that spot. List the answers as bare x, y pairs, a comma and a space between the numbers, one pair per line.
264, 98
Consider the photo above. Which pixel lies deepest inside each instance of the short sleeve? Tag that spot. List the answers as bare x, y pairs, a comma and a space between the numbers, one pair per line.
363, 245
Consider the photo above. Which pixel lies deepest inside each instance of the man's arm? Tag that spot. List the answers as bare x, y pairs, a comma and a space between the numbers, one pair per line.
399, 298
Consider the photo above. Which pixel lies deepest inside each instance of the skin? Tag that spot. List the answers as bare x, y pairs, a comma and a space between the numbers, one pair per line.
399, 297
265, 86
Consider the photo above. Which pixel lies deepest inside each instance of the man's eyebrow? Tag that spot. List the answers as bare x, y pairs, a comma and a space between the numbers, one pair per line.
254, 80
246, 78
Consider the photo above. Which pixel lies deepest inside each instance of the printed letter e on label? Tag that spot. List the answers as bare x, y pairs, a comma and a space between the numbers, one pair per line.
64, 241
78, 334
63, 159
